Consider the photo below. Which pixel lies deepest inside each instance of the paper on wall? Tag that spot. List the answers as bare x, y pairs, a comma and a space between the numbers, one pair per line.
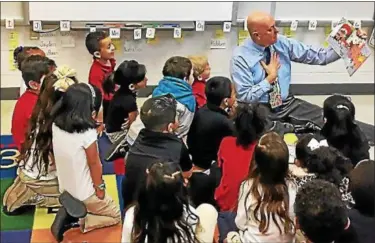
327, 31
133, 46
67, 39
219, 41
13, 43
153, 41
48, 43
117, 44
288, 32
242, 36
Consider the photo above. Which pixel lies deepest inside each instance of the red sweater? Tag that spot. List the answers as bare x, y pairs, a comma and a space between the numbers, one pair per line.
199, 87
235, 162
21, 116
98, 72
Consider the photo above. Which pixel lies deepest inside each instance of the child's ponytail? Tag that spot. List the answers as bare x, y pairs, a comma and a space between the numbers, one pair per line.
249, 123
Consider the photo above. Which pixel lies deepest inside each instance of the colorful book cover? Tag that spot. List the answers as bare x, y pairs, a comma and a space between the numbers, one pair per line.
351, 44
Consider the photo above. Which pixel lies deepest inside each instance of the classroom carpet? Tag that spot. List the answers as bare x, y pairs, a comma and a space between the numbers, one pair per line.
34, 225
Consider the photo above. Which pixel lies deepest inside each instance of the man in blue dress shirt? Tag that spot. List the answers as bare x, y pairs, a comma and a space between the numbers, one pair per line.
263, 62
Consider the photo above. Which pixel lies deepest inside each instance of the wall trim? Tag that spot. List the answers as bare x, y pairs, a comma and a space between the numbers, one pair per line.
297, 89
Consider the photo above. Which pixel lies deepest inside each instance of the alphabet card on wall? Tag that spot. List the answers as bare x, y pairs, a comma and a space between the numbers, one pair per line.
137, 34
313, 24
115, 33
64, 25
177, 33
219, 41
199, 25
9, 24
227, 26
150, 33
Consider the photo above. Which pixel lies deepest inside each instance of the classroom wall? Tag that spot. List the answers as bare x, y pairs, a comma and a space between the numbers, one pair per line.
154, 55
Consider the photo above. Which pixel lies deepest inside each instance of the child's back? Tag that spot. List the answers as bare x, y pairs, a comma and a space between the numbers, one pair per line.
34, 68
362, 186
154, 143
341, 130
178, 76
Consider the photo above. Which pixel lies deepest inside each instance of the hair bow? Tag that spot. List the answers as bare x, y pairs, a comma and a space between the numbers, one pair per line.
65, 77
314, 144
342, 107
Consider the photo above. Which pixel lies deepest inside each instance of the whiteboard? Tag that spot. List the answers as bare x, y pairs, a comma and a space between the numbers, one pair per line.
324, 10
12, 10
131, 11
245, 8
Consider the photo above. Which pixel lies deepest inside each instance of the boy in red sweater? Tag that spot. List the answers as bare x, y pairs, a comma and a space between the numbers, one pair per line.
34, 69
100, 46
202, 72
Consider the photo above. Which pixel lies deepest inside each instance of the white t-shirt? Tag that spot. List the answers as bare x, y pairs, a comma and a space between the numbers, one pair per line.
73, 172
249, 227
127, 228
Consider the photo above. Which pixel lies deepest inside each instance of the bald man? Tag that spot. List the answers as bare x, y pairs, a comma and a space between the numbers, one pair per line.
263, 62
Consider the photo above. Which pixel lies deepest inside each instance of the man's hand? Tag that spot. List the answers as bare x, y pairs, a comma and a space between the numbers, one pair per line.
362, 34
272, 68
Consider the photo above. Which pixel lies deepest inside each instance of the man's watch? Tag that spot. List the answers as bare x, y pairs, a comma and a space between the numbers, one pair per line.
101, 186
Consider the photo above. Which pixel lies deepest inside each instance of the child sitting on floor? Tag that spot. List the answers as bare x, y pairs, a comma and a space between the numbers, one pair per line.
210, 125
362, 187
78, 165
341, 131
265, 206
212, 122
36, 182
34, 70
315, 159
321, 215
202, 72
236, 153
163, 213
20, 54
177, 80
156, 142
100, 46
130, 76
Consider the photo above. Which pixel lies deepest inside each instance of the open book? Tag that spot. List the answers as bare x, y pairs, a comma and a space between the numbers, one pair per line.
349, 42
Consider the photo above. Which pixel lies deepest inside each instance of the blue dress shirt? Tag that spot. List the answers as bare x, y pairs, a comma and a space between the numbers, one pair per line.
249, 76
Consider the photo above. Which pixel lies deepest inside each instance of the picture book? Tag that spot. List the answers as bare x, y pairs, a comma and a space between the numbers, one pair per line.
350, 43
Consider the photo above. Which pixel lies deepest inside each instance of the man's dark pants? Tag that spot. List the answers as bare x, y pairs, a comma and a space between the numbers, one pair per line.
299, 113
